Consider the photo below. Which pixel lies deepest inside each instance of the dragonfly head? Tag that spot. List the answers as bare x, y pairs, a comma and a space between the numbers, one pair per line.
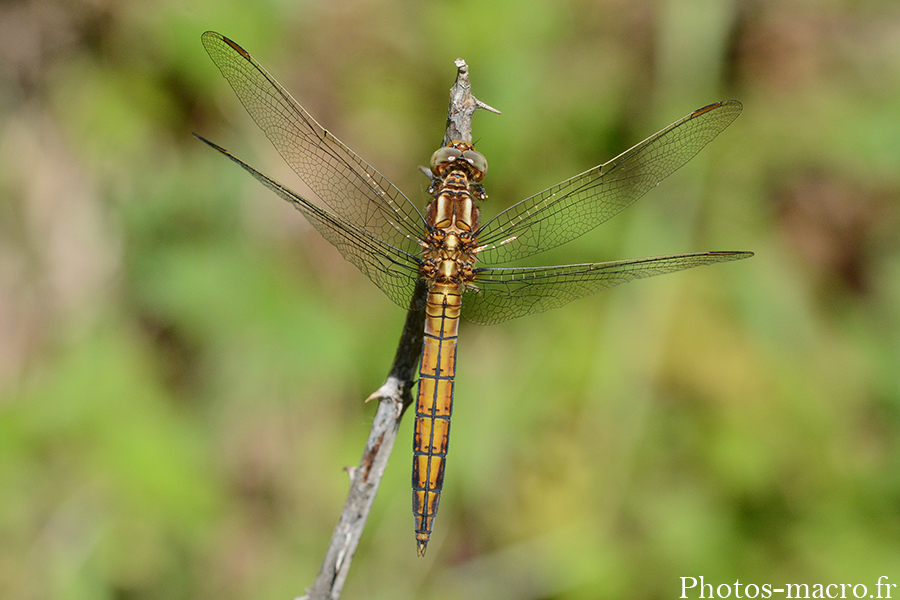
459, 155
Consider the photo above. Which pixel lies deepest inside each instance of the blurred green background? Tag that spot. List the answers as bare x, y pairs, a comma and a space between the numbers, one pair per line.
183, 359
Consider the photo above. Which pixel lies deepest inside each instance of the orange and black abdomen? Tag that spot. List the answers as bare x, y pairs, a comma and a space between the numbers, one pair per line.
434, 406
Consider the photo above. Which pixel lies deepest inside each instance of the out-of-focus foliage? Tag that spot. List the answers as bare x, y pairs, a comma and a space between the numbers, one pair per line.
183, 360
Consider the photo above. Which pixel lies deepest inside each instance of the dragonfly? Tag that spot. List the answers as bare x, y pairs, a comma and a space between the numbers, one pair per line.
445, 252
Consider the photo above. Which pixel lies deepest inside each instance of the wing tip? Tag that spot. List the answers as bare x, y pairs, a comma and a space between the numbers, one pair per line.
208, 36
735, 104
733, 254
212, 144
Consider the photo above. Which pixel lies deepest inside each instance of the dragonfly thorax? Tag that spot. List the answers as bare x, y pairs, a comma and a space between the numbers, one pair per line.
450, 248
450, 265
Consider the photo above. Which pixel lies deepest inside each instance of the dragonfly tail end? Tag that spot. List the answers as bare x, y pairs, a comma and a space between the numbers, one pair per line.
421, 543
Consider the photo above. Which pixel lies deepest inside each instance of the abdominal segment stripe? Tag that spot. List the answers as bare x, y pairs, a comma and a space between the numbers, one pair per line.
434, 407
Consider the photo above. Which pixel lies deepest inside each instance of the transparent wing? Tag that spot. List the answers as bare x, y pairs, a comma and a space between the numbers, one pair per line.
390, 268
504, 294
577, 205
350, 187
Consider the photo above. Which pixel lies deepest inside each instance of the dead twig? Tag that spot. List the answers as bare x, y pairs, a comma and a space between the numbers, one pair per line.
394, 396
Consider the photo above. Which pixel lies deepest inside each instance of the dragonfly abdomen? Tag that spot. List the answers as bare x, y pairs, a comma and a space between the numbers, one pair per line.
434, 406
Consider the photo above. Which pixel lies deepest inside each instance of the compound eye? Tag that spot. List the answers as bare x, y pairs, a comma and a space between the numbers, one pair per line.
443, 157
478, 162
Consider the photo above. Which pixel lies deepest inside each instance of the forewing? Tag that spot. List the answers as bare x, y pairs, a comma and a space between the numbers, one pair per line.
346, 183
577, 205
503, 294
390, 268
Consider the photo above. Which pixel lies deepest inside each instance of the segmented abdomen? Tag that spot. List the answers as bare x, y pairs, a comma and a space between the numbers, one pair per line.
433, 406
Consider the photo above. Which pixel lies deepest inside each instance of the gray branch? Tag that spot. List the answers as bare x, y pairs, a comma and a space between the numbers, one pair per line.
394, 397
462, 105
